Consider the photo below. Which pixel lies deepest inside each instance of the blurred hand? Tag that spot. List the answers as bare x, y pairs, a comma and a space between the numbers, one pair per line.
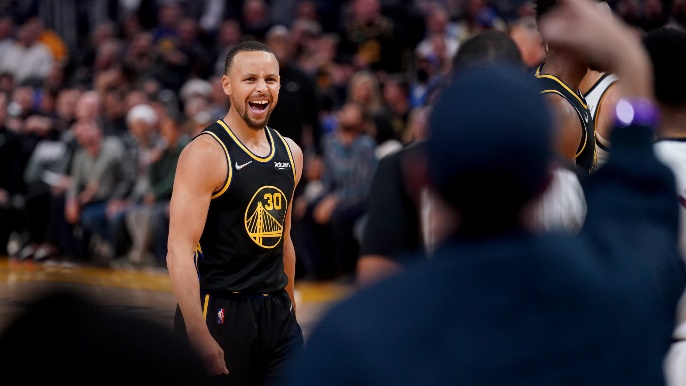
62, 185
71, 211
210, 352
314, 169
299, 208
581, 27
322, 213
114, 207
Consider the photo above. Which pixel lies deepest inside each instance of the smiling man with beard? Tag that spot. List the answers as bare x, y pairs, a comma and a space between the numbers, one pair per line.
231, 258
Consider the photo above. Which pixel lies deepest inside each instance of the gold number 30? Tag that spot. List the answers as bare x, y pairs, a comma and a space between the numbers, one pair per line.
274, 203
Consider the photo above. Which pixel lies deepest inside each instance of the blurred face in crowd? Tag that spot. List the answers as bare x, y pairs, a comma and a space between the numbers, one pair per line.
103, 33
87, 134
188, 30
5, 27
113, 106
38, 125
351, 118
306, 10
280, 43
135, 97
253, 86
24, 97
437, 21
3, 108
140, 129
195, 105
254, 11
363, 91
88, 106
29, 32
169, 131
66, 104
366, 11
6, 83
170, 14
218, 96
393, 93
229, 33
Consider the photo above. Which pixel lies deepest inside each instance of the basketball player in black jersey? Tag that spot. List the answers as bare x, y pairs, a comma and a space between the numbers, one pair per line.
559, 78
231, 259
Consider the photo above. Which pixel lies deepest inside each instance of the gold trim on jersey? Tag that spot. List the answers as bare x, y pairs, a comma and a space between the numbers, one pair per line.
553, 77
585, 133
260, 224
290, 155
229, 175
204, 308
245, 149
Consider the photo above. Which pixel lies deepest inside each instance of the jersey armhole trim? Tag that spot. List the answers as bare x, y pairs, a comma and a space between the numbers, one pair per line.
582, 146
290, 156
229, 174
597, 112
539, 74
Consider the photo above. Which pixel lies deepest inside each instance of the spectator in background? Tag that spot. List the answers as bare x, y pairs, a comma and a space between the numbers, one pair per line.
65, 107
53, 41
140, 55
654, 15
27, 59
396, 97
349, 165
219, 101
255, 21
363, 89
438, 24
169, 17
10, 178
22, 102
228, 36
297, 111
114, 122
479, 17
161, 179
369, 39
6, 41
44, 176
98, 174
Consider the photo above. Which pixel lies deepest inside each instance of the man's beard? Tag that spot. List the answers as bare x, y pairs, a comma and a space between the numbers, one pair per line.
243, 112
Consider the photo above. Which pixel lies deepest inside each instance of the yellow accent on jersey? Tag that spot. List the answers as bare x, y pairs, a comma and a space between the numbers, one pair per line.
290, 155
262, 227
553, 77
204, 308
228, 160
245, 149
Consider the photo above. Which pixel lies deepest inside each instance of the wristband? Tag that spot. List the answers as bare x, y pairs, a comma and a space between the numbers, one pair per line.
636, 111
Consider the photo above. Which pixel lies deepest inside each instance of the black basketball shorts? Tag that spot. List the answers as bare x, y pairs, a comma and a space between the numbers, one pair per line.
259, 335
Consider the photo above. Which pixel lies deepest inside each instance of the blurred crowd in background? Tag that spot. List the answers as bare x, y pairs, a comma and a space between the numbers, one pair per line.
98, 98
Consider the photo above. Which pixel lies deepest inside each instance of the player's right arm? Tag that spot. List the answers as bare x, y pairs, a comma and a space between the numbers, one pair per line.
201, 170
568, 129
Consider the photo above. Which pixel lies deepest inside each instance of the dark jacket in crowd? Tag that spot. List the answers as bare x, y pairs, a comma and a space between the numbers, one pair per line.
593, 309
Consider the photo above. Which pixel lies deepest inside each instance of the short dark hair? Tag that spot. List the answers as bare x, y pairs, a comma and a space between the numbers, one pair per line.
667, 49
488, 47
249, 46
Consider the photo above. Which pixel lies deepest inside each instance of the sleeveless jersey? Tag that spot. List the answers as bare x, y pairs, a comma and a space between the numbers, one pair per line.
241, 247
594, 97
586, 152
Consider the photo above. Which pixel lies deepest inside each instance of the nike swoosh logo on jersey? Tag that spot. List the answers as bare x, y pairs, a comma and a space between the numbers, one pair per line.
239, 167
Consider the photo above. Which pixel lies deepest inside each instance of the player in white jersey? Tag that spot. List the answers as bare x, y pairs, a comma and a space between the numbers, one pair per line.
667, 49
601, 96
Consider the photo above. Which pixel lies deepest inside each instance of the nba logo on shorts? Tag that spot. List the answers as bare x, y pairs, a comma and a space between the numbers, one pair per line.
220, 316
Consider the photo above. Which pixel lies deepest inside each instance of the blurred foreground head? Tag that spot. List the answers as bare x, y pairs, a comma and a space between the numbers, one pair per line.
64, 338
489, 147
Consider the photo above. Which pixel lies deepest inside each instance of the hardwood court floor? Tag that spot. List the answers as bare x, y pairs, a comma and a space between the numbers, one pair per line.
146, 293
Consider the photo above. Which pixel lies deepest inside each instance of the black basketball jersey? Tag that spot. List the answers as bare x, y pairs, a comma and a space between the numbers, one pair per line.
586, 152
241, 247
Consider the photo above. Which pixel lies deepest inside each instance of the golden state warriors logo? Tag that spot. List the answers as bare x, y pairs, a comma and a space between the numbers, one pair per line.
265, 216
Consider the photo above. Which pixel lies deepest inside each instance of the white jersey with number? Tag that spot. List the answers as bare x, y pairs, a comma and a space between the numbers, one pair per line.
594, 97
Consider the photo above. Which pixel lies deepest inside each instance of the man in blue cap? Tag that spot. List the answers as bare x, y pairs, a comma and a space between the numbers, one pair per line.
498, 305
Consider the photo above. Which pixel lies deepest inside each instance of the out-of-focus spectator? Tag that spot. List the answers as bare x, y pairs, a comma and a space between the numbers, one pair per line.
53, 41
369, 38
88, 107
114, 122
141, 53
228, 36
349, 165
169, 18
6, 41
161, 179
438, 24
22, 104
479, 17
65, 107
10, 178
255, 21
629, 11
396, 96
364, 90
97, 172
219, 101
525, 34
45, 177
654, 15
297, 110
27, 58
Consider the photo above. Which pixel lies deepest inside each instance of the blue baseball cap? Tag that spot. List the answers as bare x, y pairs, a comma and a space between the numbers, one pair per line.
490, 142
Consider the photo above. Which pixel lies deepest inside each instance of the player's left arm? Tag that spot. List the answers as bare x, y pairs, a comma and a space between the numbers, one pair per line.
606, 111
288, 249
